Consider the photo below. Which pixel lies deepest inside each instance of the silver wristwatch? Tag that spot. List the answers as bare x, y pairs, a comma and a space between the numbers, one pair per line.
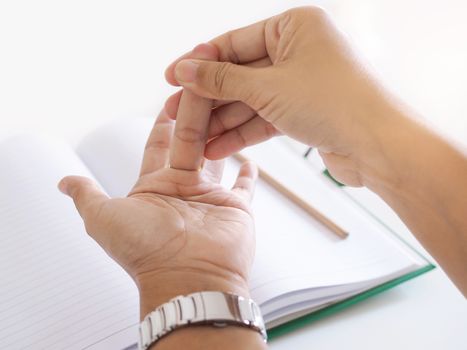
210, 308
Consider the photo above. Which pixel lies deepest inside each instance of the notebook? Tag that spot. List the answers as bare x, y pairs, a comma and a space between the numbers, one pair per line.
59, 290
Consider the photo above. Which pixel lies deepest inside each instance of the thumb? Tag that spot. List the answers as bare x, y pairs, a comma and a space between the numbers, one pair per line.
85, 193
220, 80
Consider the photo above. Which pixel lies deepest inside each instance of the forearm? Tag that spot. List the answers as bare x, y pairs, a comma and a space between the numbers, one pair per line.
424, 179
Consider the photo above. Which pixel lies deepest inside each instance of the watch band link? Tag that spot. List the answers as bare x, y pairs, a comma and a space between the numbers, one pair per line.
211, 308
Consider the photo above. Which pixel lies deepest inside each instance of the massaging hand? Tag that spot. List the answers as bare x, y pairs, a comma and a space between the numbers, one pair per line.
296, 74
178, 230
293, 74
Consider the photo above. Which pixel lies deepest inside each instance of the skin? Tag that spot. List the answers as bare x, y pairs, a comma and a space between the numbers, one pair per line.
179, 231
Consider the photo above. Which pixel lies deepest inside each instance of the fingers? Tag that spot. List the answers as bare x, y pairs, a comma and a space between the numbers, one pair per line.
156, 151
190, 134
250, 133
238, 46
246, 180
86, 195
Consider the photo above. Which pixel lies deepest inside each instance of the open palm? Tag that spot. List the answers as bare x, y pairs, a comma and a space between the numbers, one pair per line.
178, 223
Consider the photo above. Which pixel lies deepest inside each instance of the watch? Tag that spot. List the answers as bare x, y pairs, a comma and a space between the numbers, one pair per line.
217, 309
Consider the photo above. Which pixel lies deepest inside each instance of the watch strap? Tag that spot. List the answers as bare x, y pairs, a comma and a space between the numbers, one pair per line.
203, 308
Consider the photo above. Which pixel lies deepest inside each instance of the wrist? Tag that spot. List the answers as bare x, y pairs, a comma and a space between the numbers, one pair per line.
389, 141
401, 155
156, 288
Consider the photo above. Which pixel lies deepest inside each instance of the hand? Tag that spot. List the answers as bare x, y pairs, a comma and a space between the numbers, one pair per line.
293, 74
296, 74
179, 230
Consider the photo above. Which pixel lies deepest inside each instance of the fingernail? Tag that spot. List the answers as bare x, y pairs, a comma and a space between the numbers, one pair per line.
185, 71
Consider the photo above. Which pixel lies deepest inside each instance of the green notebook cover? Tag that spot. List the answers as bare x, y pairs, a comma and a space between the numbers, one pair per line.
343, 304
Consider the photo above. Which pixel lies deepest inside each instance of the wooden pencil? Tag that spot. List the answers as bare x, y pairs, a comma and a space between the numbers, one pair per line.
315, 213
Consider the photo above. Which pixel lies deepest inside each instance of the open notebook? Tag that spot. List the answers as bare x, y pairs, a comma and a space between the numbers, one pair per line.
59, 290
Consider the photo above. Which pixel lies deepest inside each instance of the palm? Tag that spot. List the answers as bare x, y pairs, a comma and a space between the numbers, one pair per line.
176, 220
197, 227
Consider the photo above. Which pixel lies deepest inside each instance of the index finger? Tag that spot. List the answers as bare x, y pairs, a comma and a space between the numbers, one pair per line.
191, 128
242, 45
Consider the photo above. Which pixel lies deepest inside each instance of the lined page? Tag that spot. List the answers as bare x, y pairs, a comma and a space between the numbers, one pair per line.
58, 288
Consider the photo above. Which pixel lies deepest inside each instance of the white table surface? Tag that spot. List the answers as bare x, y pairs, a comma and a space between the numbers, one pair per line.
66, 67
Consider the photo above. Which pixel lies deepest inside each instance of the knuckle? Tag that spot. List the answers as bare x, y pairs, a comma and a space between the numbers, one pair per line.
231, 52
189, 135
315, 11
306, 14
158, 143
221, 75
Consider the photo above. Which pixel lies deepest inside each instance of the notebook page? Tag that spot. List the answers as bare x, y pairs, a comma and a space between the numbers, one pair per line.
294, 252
58, 289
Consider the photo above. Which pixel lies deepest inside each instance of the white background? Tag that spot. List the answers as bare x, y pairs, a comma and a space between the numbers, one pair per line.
68, 66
